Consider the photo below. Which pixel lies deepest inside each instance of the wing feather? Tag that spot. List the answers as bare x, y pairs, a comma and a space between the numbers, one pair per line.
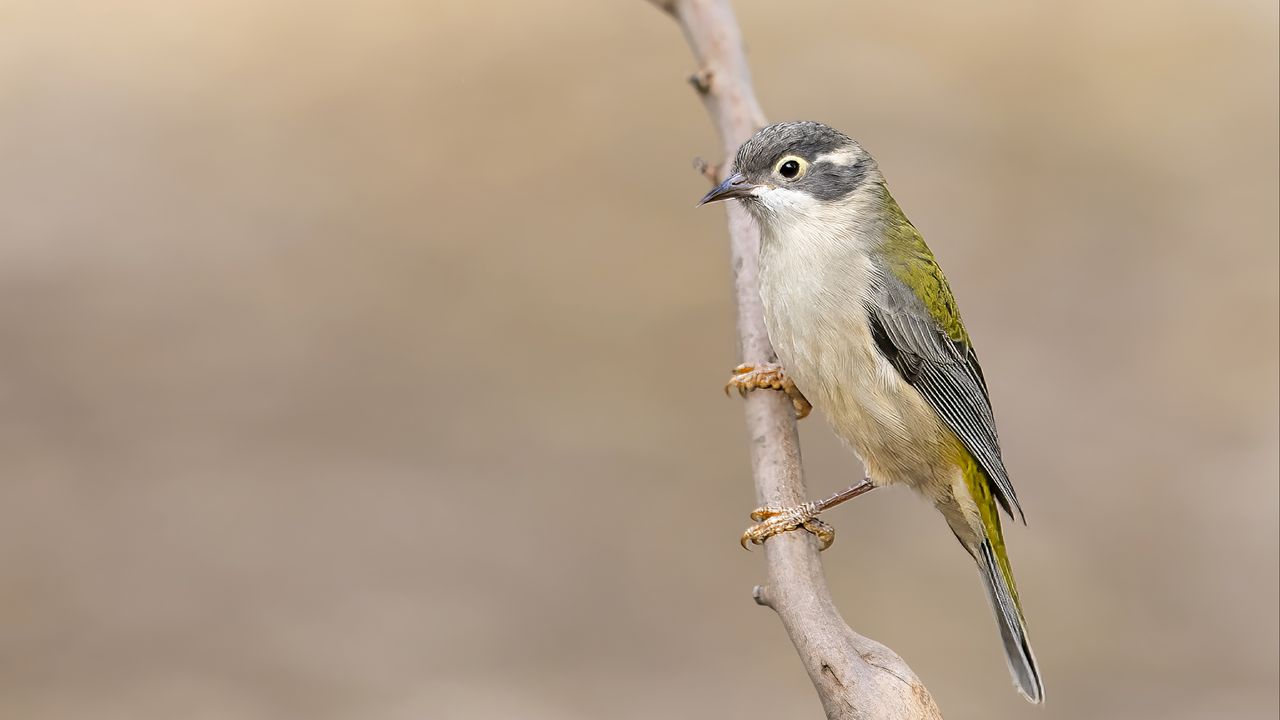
946, 372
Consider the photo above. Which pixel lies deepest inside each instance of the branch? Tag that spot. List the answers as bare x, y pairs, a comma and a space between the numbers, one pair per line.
856, 677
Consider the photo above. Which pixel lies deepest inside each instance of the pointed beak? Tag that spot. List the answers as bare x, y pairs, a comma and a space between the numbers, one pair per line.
734, 186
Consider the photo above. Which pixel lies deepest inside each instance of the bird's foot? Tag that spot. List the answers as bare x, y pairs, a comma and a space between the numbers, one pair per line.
768, 376
772, 521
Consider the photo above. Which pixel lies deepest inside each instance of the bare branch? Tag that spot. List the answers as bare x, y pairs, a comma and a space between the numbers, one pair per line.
710, 171
666, 6
856, 677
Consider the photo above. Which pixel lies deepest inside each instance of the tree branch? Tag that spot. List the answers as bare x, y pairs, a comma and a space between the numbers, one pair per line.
856, 677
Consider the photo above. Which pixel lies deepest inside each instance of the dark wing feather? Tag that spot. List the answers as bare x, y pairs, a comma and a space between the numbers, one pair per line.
946, 373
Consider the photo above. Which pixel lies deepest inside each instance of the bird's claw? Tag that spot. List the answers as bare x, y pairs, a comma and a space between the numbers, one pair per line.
772, 521
768, 376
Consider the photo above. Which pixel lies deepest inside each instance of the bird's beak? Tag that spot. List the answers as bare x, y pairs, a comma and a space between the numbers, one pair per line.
734, 186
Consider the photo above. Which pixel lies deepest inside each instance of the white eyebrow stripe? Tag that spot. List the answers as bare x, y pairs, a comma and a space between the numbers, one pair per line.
839, 157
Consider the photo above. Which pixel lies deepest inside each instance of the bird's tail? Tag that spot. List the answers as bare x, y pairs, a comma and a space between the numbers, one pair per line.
986, 544
1003, 595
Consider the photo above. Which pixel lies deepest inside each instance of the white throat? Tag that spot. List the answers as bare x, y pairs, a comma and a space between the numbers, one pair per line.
815, 238
817, 268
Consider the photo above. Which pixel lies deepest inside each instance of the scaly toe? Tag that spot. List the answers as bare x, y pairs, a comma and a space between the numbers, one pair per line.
761, 514
768, 377
803, 408
772, 521
821, 530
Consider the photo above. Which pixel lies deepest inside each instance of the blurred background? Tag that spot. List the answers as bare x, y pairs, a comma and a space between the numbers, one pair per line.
364, 360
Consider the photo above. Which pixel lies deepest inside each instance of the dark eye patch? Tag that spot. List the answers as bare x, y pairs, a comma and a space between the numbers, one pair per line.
829, 181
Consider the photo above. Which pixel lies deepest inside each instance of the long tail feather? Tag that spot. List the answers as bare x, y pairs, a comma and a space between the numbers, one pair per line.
984, 540
1013, 630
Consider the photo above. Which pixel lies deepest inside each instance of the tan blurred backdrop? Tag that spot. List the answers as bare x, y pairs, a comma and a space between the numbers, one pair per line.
363, 360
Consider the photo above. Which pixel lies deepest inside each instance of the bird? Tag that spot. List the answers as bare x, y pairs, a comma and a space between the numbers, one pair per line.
866, 329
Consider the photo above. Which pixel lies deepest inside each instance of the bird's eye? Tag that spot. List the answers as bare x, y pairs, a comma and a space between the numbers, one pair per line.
791, 167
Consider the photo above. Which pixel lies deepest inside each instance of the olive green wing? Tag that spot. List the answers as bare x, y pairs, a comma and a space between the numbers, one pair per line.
921, 335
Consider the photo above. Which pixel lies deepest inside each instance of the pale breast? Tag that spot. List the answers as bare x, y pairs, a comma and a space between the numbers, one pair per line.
815, 312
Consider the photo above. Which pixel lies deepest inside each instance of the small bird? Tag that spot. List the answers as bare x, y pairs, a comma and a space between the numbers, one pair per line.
866, 329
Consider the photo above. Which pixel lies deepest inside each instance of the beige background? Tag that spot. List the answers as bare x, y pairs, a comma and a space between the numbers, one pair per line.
364, 360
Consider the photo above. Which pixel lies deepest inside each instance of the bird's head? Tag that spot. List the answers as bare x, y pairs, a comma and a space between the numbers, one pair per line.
796, 168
